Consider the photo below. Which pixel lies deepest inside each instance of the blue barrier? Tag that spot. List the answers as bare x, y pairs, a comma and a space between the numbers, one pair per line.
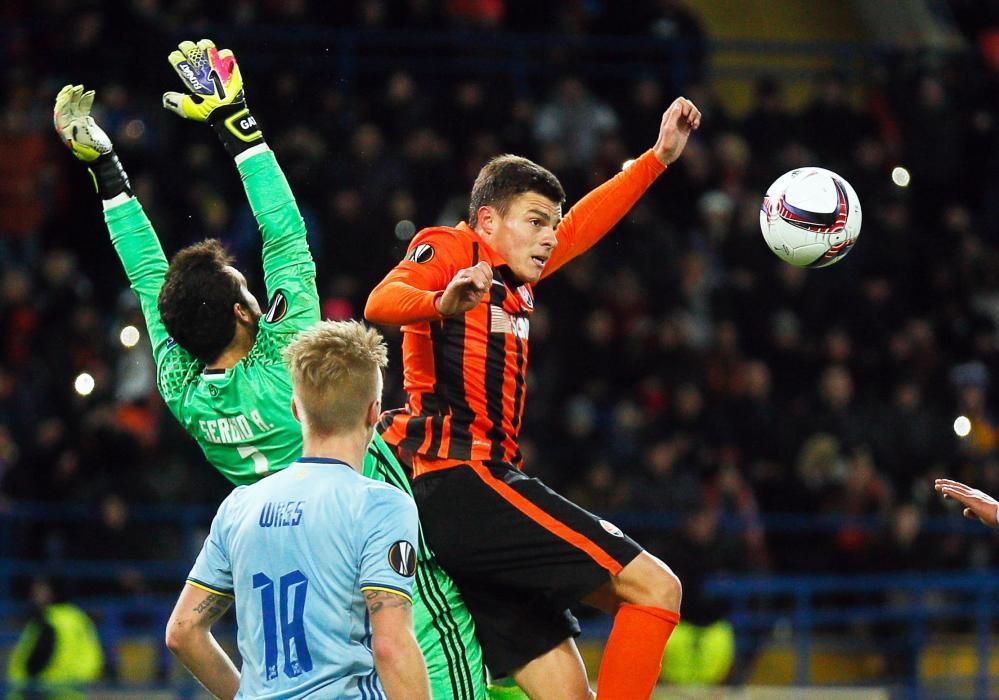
759, 603
970, 597
973, 597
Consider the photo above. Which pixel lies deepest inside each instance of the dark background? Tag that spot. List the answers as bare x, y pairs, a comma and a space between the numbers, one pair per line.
682, 377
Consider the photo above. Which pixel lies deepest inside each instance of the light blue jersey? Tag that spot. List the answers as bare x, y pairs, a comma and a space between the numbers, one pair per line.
296, 550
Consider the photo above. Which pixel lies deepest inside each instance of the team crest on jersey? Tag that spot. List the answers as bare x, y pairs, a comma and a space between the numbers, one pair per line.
525, 294
402, 558
611, 528
278, 307
422, 253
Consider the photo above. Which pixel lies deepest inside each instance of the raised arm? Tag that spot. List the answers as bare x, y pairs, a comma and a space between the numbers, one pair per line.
216, 96
131, 232
598, 212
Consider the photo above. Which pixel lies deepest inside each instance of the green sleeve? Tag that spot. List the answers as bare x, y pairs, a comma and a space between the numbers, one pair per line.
145, 265
289, 271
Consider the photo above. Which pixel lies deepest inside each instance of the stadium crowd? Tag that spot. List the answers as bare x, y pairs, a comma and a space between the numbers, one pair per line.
679, 369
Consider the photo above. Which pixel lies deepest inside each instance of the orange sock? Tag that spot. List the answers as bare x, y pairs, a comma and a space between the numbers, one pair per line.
633, 656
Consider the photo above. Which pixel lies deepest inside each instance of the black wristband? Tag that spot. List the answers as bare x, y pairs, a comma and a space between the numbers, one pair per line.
109, 177
236, 128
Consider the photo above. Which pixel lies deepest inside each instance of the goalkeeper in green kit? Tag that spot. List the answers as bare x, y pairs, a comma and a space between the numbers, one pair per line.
218, 353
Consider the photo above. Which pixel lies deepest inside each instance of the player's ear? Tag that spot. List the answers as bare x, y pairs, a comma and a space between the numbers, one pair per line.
294, 408
374, 411
485, 221
241, 312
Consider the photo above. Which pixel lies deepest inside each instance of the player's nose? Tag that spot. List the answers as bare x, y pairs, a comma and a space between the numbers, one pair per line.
548, 239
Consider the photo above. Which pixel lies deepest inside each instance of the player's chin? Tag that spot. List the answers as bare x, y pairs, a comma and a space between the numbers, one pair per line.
530, 274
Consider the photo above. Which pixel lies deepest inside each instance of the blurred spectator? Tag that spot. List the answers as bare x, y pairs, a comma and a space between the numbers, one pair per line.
769, 126
405, 107
18, 317
970, 384
118, 540
670, 482
934, 154
476, 13
58, 654
862, 493
837, 409
672, 21
25, 178
702, 648
912, 437
831, 126
576, 120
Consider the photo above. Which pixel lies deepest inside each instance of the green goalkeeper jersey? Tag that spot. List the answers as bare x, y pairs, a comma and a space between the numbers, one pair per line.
241, 416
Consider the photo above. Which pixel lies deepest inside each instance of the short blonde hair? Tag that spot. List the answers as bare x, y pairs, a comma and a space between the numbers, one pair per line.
336, 373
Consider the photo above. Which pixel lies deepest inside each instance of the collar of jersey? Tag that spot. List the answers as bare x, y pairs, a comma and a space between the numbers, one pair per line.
493, 258
217, 373
485, 251
320, 460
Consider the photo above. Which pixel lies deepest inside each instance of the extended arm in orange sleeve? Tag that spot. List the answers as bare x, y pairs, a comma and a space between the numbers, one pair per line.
598, 212
408, 292
397, 302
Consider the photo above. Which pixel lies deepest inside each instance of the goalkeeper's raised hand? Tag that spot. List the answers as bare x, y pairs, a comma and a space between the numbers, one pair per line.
215, 94
88, 141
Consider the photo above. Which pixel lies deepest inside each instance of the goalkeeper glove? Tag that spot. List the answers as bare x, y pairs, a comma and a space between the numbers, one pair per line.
88, 142
214, 79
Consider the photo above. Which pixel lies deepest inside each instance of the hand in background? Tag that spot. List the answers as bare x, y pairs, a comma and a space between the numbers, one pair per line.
978, 505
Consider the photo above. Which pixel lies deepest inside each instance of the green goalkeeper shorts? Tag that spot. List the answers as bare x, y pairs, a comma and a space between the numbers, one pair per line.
446, 633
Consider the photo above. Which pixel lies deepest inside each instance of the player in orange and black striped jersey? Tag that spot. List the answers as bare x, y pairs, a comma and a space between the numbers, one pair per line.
521, 554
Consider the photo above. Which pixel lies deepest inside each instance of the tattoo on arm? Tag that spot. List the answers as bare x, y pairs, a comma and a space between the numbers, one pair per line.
378, 600
213, 606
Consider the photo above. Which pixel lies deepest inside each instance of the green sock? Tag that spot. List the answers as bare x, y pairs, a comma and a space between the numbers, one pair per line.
505, 689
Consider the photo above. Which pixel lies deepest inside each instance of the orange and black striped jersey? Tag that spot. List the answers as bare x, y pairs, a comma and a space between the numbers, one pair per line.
466, 375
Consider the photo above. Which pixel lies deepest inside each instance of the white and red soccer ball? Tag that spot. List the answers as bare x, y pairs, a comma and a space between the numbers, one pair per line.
810, 217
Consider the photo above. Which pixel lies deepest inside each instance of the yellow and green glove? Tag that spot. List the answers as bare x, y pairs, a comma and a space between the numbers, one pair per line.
88, 141
216, 94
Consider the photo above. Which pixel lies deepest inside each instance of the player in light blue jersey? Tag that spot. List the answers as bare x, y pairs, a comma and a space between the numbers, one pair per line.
318, 559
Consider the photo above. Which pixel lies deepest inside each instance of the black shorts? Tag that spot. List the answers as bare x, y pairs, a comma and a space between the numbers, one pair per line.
520, 554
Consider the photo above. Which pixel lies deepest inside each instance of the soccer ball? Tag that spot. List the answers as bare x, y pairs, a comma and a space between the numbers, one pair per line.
810, 217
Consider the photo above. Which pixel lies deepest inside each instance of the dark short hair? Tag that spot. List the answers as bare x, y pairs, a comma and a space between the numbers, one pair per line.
505, 177
196, 299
